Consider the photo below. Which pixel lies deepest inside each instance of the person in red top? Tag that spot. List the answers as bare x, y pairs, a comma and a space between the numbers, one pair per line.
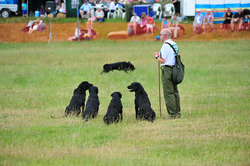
150, 24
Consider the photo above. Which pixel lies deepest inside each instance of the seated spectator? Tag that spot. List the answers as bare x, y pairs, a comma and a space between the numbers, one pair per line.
85, 9
42, 12
63, 7
208, 20
165, 23
198, 19
133, 22
150, 24
77, 34
143, 20
99, 15
246, 22
111, 7
104, 3
38, 26
58, 6
175, 21
228, 17
92, 2
238, 19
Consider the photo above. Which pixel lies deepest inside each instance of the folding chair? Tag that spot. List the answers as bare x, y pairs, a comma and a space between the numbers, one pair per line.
169, 10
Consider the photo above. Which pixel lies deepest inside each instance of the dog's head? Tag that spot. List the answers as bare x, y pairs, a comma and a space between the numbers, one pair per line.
84, 86
131, 66
134, 87
93, 90
116, 94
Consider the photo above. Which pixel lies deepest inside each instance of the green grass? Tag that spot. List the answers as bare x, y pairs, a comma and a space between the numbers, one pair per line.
37, 82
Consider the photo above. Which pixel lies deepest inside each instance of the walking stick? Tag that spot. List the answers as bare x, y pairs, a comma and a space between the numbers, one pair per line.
159, 87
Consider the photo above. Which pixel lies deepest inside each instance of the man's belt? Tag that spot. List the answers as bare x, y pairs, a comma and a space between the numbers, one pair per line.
170, 66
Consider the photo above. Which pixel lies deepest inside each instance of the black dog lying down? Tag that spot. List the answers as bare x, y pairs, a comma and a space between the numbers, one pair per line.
78, 99
125, 66
143, 108
114, 113
92, 105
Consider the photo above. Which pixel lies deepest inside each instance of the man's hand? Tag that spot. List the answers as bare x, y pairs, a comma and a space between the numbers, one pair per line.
156, 54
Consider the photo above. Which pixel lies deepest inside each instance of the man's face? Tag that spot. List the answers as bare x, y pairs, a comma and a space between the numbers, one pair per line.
240, 11
162, 36
174, 16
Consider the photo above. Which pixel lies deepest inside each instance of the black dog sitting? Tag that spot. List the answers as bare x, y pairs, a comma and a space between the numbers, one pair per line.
114, 113
78, 99
92, 105
143, 108
125, 66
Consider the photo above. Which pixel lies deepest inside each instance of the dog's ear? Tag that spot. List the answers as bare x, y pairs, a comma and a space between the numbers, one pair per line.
112, 94
120, 95
96, 90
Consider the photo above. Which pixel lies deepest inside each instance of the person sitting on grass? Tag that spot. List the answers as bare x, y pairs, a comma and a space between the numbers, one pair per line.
89, 27
150, 24
38, 26
77, 34
99, 14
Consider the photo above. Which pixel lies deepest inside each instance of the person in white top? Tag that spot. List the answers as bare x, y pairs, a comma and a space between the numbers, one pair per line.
133, 22
198, 21
111, 7
167, 59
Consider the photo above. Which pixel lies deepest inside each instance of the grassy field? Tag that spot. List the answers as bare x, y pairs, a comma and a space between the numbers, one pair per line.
37, 82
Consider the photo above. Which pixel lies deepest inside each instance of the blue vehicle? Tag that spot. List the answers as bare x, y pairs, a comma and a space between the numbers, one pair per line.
7, 7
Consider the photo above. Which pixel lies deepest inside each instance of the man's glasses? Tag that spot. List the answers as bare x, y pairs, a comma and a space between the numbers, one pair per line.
161, 34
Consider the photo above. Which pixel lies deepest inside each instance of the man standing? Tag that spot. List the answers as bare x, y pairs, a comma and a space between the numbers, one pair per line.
175, 21
85, 9
176, 4
208, 20
167, 59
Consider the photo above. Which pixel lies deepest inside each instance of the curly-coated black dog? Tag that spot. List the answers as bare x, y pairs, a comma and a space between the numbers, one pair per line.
92, 105
143, 108
114, 113
78, 99
125, 66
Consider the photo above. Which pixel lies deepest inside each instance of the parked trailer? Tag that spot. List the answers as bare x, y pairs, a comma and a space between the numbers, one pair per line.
7, 7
